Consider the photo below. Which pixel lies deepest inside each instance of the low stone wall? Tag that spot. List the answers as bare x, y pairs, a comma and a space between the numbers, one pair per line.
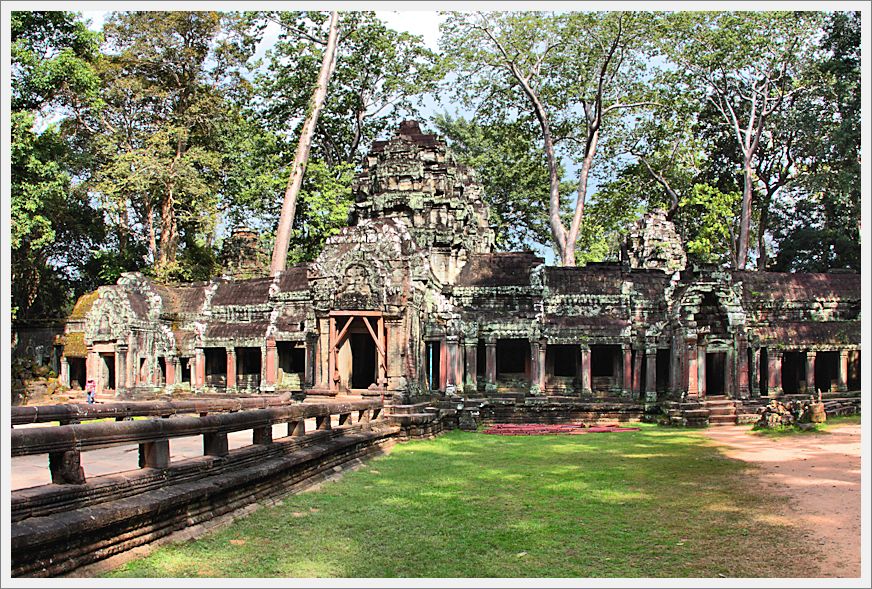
58, 528
472, 413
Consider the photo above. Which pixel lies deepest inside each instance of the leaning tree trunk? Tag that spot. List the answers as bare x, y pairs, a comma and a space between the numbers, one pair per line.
301, 157
745, 218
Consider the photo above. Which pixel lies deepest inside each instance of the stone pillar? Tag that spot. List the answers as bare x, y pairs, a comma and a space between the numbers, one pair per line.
810, 357
451, 345
535, 369
700, 370
637, 375
470, 349
774, 372
231, 369
692, 368
841, 387
754, 377
201, 368
64, 377
490, 347
310, 360
585, 370
742, 368
170, 362
651, 375
543, 349
627, 377
91, 367
271, 362
177, 367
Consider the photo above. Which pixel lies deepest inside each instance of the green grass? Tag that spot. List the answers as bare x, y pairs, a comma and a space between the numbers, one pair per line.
654, 503
820, 428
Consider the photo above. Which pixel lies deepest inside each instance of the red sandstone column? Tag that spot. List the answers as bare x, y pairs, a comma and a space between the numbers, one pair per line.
271, 375
543, 348
585, 370
755, 372
810, 358
490, 347
171, 371
700, 370
332, 374
692, 368
637, 374
627, 379
535, 369
774, 372
842, 385
231, 368
446, 364
742, 363
201, 368
651, 375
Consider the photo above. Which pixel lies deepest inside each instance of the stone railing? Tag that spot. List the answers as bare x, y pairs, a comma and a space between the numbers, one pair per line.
72, 522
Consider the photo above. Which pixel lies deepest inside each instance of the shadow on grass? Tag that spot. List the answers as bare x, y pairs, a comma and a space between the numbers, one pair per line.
652, 503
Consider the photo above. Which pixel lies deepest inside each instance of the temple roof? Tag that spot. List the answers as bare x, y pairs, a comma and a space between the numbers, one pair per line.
498, 269
798, 287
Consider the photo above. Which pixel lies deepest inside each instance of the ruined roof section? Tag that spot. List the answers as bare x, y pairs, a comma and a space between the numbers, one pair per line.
294, 279
810, 333
237, 330
498, 269
242, 292
591, 279
181, 299
138, 304
410, 131
84, 304
798, 287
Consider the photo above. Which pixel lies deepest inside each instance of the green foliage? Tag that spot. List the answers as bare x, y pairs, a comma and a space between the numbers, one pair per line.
512, 171
708, 216
511, 507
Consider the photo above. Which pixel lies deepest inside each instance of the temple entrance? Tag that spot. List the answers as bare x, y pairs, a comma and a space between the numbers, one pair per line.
77, 372
434, 364
358, 351
216, 366
793, 373
248, 367
107, 372
826, 371
363, 361
715, 373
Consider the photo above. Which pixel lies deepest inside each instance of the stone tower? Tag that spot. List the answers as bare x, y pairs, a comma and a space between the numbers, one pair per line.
654, 244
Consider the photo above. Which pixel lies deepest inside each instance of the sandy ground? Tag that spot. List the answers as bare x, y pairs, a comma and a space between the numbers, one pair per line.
820, 474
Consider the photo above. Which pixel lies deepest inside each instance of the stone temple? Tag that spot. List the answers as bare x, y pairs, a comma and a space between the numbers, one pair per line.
411, 299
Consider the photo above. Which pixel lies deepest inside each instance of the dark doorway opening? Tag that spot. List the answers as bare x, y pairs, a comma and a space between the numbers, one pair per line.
248, 367
481, 360
792, 372
604, 360
185, 365
512, 357
77, 372
108, 371
715, 373
826, 371
434, 365
764, 371
216, 366
363, 360
565, 359
162, 366
664, 361
854, 370
292, 356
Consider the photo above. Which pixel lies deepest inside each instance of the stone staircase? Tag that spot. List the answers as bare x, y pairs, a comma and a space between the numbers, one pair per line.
722, 410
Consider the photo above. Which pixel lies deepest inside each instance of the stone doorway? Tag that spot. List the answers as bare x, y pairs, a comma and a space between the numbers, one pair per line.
358, 351
363, 361
107, 372
434, 365
77, 372
715, 373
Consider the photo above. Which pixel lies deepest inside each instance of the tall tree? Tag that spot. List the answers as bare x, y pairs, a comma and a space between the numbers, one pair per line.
576, 73
746, 65
53, 225
301, 157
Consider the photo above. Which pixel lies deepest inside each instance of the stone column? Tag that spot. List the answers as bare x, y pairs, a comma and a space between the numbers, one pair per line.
585, 370
310, 360
170, 363
451, 356
754, 377
692, 358
842, 385
774, 372
177, 366
91, 367
810, 357
231, 369
637, 375
627, 378
64, 377
201, 367
490, 347
470, 349
120, 368
536, 370
742, 368
651, 375
271, 362
700, 370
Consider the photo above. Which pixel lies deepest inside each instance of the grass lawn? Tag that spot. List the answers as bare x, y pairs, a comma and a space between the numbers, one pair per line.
660, 502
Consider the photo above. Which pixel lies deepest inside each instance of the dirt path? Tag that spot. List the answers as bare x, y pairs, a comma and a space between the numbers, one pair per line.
820, 473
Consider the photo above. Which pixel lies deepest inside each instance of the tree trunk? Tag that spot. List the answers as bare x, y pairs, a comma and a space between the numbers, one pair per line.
152, 241
578, 216
168, 231
745, 218
763, 259
301, 157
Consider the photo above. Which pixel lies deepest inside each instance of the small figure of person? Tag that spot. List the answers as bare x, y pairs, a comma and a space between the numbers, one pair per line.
90, 390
